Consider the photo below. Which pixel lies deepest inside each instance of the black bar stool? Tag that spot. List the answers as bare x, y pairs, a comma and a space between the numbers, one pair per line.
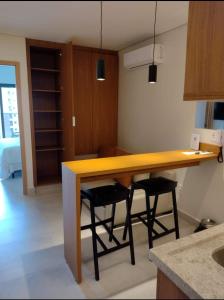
154, 187
102, 196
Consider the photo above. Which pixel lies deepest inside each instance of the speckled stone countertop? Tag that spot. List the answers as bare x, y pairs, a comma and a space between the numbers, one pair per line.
188, 262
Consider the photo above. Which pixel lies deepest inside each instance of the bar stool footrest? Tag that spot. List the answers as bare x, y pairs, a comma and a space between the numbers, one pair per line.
157, 235
99, 223
113, 249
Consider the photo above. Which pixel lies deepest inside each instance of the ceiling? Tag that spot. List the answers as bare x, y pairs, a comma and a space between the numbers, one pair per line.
124, 22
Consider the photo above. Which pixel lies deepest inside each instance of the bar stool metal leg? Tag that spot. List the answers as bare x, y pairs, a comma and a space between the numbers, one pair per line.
94, 240
175, 214
154, 209
112, 222
149, 220
130, 201
129, 225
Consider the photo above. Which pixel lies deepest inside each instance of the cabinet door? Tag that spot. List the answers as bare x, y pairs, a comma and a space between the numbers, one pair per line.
105, 103
83, 101
67, 102
205, 51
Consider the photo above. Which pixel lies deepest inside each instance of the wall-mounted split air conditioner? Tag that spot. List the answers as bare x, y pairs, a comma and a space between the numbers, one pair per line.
144, 56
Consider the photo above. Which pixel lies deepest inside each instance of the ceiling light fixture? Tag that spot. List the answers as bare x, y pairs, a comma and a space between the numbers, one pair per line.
153, 68
100, 67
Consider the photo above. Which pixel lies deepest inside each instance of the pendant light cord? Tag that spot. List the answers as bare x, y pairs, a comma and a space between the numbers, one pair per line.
154, 42
101, 25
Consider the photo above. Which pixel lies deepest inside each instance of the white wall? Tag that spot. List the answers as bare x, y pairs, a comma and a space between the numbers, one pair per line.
155, 118
152, 117
13, 48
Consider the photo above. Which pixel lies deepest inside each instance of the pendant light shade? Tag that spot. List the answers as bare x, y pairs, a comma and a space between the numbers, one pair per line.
100, 70
153, 68
100, 66
152, 73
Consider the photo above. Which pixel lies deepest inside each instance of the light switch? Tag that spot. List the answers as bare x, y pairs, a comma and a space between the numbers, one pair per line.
216, 137
195, 140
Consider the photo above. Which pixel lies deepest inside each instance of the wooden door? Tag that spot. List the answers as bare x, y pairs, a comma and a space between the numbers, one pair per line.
83, 101
105, 103
67, 104
205, 51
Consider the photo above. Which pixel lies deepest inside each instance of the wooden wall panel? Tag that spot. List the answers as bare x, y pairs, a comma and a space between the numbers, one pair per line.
105, 103
83, 101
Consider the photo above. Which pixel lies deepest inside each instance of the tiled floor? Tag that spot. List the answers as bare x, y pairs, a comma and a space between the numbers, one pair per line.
32, 263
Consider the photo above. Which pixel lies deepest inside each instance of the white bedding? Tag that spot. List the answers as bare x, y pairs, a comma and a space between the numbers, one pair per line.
10, 156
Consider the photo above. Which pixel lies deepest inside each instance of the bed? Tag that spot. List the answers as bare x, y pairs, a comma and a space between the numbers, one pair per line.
10, 157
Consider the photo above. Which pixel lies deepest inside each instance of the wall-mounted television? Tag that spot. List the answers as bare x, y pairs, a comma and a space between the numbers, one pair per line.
219, 111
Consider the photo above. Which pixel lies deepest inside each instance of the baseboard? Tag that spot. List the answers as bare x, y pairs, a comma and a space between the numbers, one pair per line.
31, 192
188, 217
46, 189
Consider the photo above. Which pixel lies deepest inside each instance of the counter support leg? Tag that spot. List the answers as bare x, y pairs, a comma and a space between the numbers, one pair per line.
72, 222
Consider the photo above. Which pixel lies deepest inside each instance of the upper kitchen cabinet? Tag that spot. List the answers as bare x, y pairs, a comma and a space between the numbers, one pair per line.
204, 74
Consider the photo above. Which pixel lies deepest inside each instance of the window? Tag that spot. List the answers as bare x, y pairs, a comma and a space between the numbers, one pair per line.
9, 111
210, 115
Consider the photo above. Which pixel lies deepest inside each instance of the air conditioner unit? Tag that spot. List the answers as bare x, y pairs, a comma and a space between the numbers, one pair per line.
144, 56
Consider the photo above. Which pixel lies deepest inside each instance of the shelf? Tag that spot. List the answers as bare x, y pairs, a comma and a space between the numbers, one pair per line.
45, 91
49, 148
47, 111
45, 70
48, 130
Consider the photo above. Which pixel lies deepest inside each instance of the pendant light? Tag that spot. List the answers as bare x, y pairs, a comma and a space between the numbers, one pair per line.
100, 67
153, 68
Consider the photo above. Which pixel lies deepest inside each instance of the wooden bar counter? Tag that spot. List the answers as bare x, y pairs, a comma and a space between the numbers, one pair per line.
76, 172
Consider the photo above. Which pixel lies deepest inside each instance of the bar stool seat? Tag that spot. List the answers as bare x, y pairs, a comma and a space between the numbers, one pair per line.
155, 186
106, 195
103, 196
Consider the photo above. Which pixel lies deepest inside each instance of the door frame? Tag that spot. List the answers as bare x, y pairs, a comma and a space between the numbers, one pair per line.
20, 115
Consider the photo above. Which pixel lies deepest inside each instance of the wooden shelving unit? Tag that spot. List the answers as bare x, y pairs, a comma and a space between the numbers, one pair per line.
45, 70
48, 130
46, 91
48, 148
46, 102
59, 75
47, 111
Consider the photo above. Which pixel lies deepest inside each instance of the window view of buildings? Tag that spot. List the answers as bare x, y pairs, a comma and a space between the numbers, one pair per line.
9, 113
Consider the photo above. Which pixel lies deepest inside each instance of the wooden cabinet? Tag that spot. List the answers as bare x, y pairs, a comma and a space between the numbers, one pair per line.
105, 103
166, 289
95, 102
204, 74
63, 85
83, 101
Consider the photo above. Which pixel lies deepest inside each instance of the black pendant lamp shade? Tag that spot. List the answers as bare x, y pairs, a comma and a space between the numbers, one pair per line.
152, 73
153, 68
100, 67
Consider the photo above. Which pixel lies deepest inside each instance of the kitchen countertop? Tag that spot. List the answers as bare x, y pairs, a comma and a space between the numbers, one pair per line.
189, 264
137, 162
